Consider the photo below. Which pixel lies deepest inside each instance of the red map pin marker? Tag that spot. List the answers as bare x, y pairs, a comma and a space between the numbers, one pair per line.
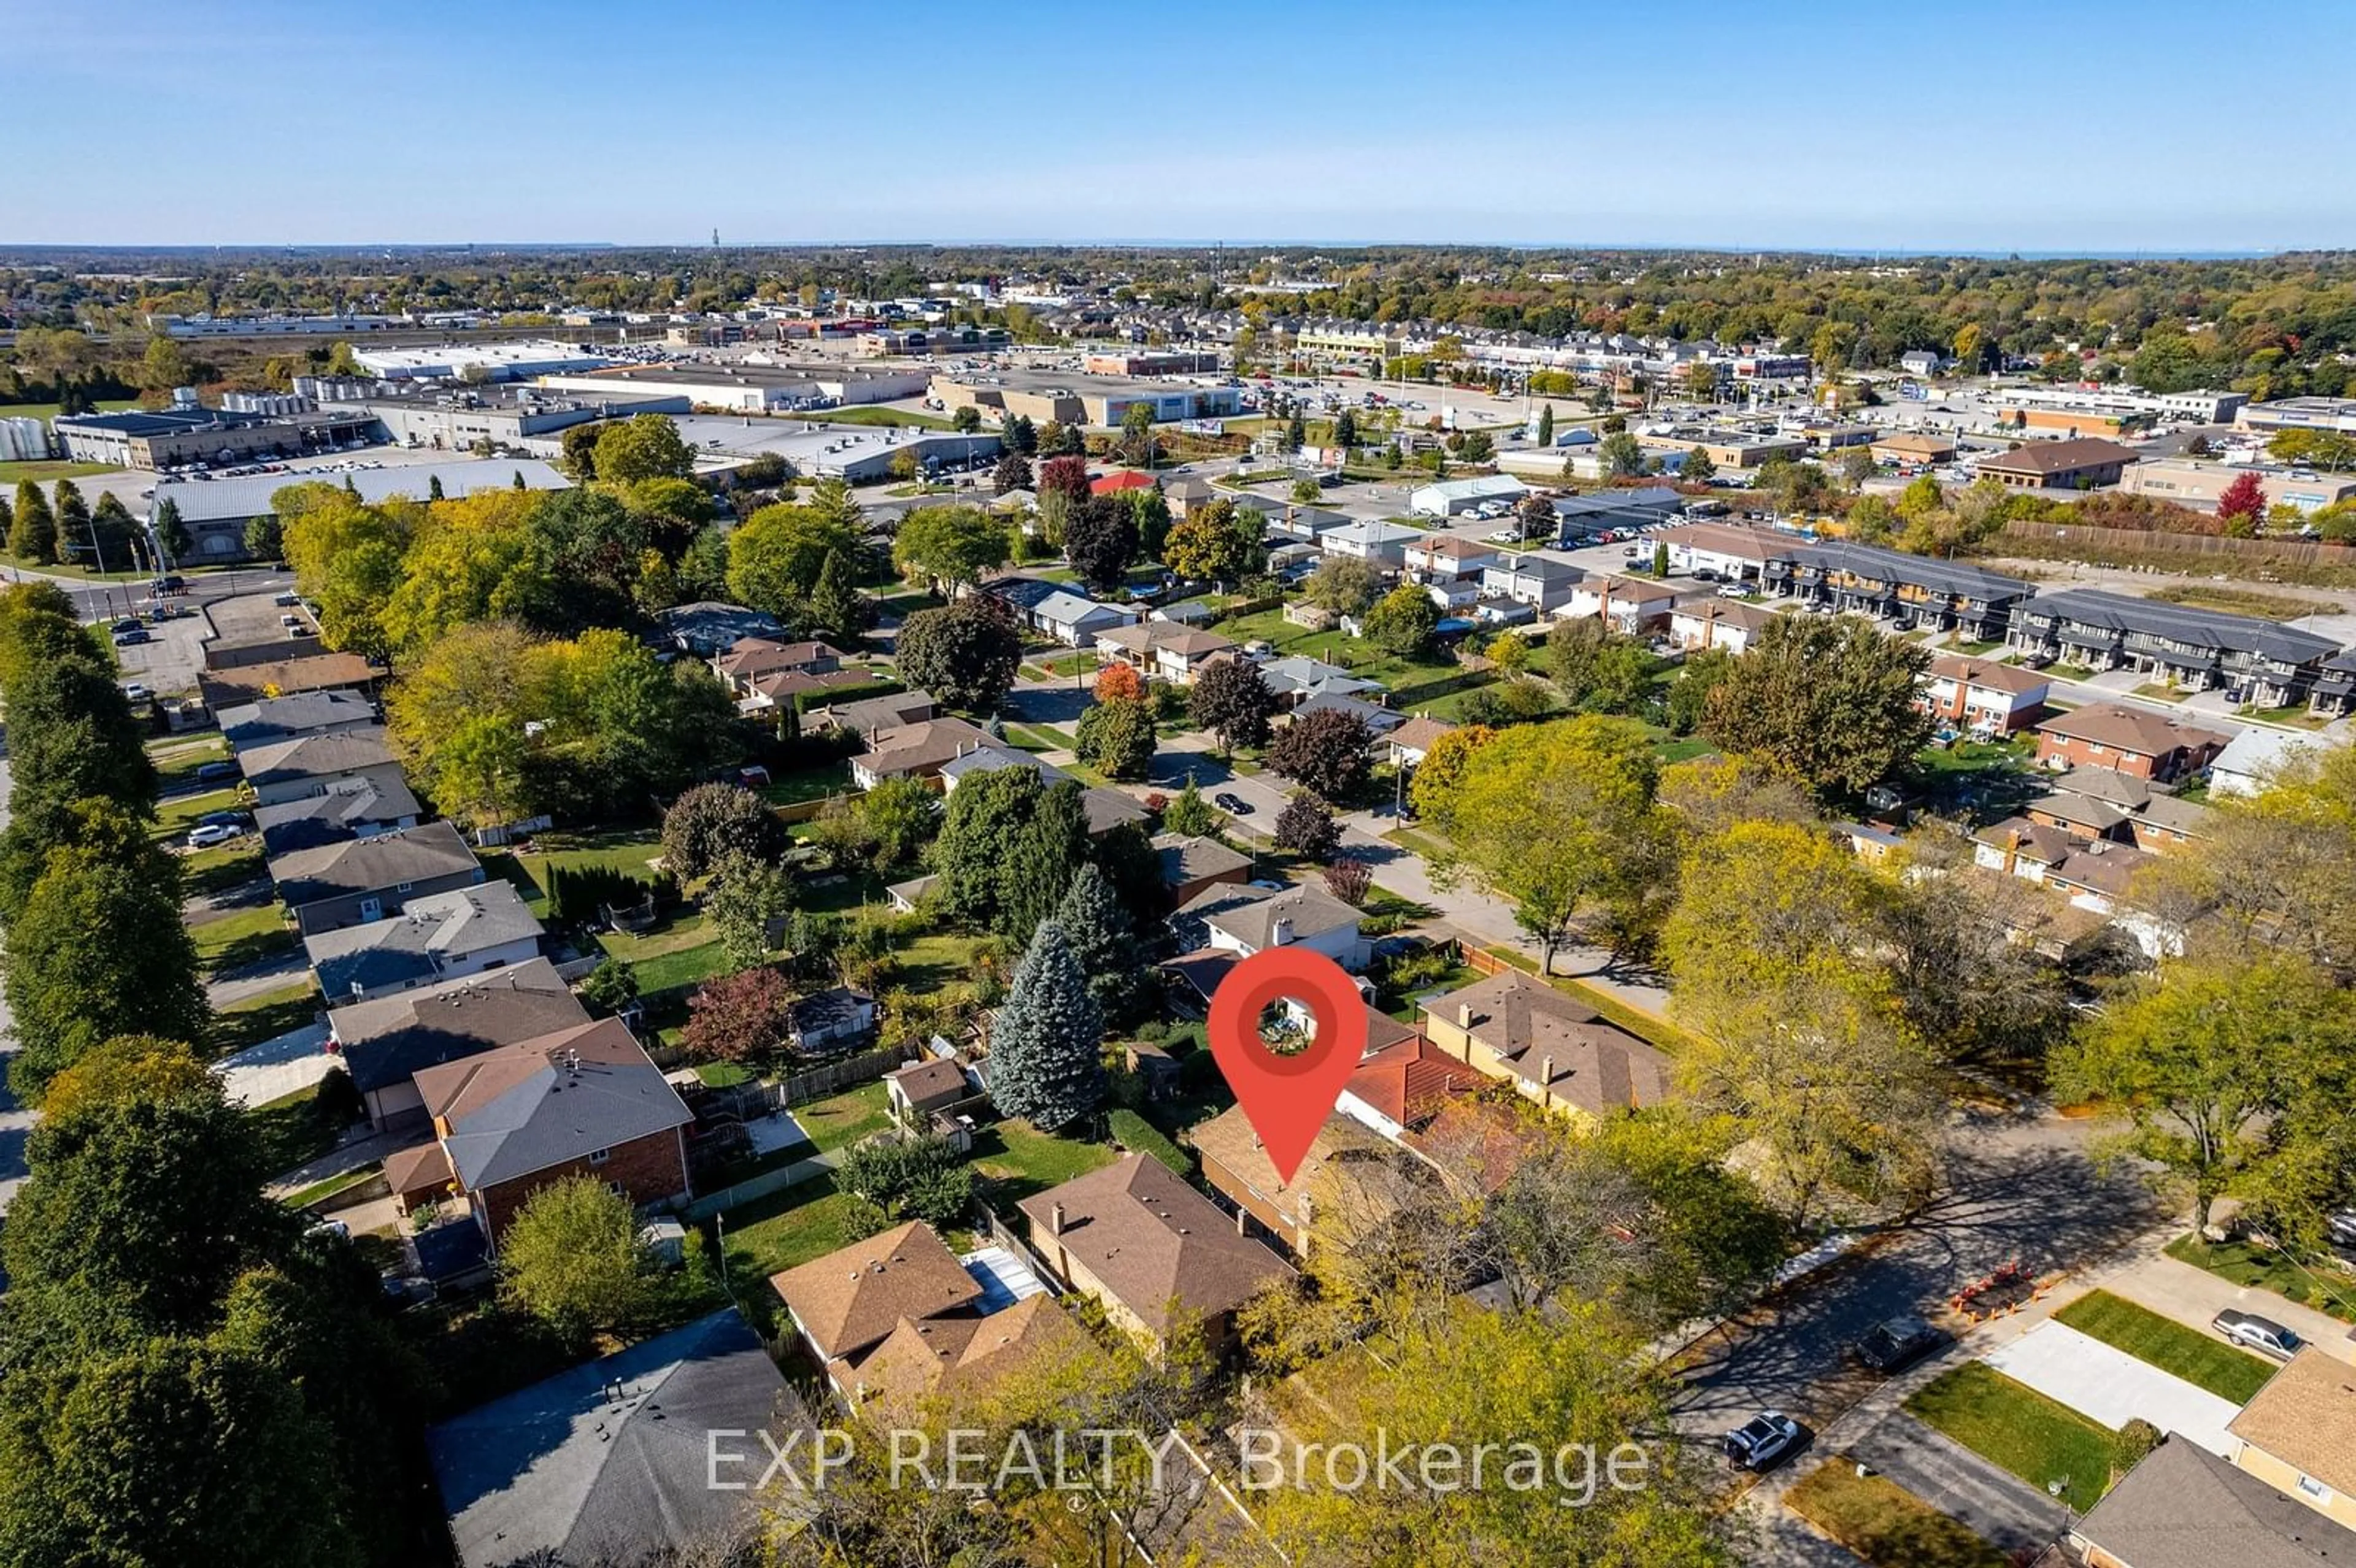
1287, 1099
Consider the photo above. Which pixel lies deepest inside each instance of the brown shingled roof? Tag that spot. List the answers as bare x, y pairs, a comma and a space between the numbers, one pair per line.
851, 1299
2306, 1416
1149, 1239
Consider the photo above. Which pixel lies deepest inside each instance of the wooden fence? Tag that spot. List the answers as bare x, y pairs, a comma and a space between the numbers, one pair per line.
2094, 544
830, 1076
1003, 1235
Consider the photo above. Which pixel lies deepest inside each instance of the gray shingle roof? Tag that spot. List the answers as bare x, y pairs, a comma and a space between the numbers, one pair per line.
394, 1038
608, 1460
335, 817
2214, 629
2185, 1508
548, 1101
364, 865
283, 718
430, 931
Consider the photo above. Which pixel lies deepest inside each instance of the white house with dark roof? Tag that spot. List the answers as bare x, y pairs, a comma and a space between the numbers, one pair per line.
1246, 920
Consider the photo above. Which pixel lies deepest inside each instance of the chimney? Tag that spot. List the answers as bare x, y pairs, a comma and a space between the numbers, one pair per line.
1546, 1072
1279, 931
1465, 1017
1243, 1222
1056, 1219
2011, 851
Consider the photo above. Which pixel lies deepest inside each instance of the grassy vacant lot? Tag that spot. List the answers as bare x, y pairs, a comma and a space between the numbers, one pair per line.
2243, 601
2021, 1430
844, 1119
872, 415
1025, 1161
1885, 1524
264, 1018
2198, 1359
2248, 1265
222, 867
44, 471
243, 936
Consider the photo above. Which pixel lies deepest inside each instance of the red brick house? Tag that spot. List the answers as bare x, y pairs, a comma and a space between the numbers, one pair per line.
585, 1101
2131, 740
1973, 693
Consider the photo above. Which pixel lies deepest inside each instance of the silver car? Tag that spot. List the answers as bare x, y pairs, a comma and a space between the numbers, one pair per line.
2253, 1332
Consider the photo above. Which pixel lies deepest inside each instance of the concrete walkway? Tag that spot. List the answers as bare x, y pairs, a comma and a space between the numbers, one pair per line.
2104, 1383
276, 1068
257, 979
368, 1148
2193, 1296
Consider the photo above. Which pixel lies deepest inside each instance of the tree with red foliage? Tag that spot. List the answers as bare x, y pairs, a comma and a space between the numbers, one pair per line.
2243, 503
1066, 476
1117, 680
1349, 881
1325, 748
739, 1017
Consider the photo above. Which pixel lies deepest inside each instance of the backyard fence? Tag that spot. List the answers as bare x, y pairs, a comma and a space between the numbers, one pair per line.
829, 1077
1002, 1234
2088, 543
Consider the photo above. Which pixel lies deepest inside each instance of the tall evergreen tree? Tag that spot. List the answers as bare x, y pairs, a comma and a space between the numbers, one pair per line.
1046, 851
171, 531
1106, 945
1044, 1050
33, 533
73, 517
837, 609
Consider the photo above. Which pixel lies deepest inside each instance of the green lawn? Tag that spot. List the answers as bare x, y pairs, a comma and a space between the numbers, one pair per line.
871, 415
844, 1119
174, 816
44, 471
2159, 691
626, 850
808, 784
1673, 749
1974, 756
937, 960
1031, 740
320, 1190
681, 952
724, 1075
2070, 671
2198, 1359
1065, 666
503, 865
1358, 656
2246, 1265
264, 1018
1025, 1161
241, 937
292, 1129
785, 1230
2021, 1430
178, 758
222, 867
1885, 1524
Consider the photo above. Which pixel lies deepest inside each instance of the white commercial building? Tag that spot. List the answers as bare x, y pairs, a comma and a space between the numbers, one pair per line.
750, 389
1447, 497
487, 361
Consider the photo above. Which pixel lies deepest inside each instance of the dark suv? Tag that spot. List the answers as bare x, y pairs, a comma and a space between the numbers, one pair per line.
1899, 1343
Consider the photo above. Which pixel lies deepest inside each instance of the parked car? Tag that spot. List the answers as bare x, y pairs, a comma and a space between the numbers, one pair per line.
206, 835
1899, 1343
1232, 804
1758, 1442
2253, 1332
288, 598
2342, 1227
212, 771
134, 637
1704, 574
133, 691
128, 624
238, 820
1738, 591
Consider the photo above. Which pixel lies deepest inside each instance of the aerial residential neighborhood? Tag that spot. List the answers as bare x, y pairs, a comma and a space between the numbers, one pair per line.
627, 863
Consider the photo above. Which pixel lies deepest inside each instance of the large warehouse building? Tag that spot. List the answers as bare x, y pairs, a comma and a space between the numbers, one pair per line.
188, 434
751, 389
484, 361
216, 511
1085, 399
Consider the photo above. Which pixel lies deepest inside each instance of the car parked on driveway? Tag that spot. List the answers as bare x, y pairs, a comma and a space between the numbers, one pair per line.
1759, 1442
2252, 1332
206, 835
211, 771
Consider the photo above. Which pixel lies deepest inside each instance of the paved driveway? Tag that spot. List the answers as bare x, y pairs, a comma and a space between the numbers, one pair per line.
2108, 1385
1999, 1507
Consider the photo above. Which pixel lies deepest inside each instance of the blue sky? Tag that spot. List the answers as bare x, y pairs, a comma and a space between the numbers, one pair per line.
2096, 126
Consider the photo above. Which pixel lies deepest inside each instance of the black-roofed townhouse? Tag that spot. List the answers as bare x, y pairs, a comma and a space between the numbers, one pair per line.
2271, 664
1890, 584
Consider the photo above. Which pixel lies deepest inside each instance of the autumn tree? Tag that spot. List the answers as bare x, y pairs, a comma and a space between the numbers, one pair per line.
1116, 737
954, 547
2242, 505
1013, 473
1215, 543
1345, 585
1829, 700
2203, 1061
1559, 820
739, 1017
572, 1258
1402, 622
644, 446
1119, 680
1796, 1032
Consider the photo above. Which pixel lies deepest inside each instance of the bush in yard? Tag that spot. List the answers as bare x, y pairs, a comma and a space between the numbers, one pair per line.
1326, 750
712, 821
1045, 1051
1116, 737
1118, 679
1349, 881
737, 1018
573, 1259
908, 1178
1138, 1135
610, 986
1306, 826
